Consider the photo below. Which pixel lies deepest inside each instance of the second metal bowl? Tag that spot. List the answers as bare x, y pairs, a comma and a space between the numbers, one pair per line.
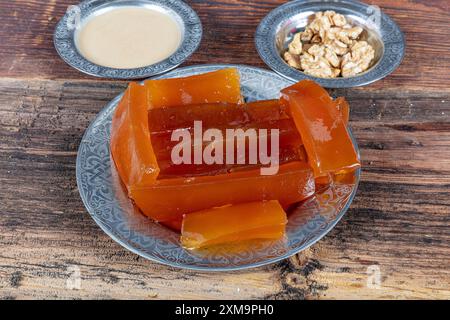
277, 29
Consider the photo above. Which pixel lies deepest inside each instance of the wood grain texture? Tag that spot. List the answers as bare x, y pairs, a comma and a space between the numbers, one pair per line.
26, 39
399, 220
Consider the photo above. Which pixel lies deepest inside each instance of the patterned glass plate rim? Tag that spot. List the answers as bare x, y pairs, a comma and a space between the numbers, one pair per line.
390, 34
64, 38
108, 205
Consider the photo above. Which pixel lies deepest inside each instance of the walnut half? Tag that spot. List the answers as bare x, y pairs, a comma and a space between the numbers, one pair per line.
358, 59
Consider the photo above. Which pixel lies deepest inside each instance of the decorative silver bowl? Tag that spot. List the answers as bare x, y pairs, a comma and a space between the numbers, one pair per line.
185, 16
277, 29
108, 204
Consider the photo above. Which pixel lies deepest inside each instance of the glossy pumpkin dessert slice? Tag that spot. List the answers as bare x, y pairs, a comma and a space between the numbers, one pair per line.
222, 86
131, 148
322, 127
130, 144
139, 147
169, 199
260, 119
232, 223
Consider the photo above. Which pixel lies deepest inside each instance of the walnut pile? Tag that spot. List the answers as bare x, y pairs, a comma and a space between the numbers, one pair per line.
329, 47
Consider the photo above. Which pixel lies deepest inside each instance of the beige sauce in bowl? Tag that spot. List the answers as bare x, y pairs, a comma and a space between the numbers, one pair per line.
128, 37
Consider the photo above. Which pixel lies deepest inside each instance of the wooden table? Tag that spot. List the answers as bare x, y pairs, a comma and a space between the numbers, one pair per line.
399, 223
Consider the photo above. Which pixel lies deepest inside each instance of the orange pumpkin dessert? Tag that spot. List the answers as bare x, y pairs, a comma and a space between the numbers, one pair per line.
252, 220
322, 127
220, 202
220, 86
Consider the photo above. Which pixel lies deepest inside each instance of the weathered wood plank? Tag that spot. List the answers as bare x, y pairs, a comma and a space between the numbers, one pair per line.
27, 51
399, 220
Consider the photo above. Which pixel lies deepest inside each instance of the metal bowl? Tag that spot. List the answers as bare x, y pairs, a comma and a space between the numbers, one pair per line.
277, 29
108, 204
65, 32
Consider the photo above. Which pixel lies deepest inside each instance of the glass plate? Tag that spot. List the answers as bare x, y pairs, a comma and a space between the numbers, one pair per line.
107, 203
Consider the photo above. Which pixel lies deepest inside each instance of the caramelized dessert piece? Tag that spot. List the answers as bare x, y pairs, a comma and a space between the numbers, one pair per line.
215, 203
289, 149
170, 170
169, 199
131, 148
265, 115
231, 223
321, 126
220, 86
325, 181
214, 115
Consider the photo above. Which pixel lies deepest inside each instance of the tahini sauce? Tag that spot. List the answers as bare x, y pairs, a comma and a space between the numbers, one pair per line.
128, 37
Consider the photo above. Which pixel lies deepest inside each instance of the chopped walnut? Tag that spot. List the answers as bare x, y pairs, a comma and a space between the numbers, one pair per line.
317, 50
330, 47
317, 66
322, 51
292, 60
331, 34
347, 35
306, 46
337, 47
358, 60
361, 49
295, 47
339, 20
316, 39
332, 58
306, 35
